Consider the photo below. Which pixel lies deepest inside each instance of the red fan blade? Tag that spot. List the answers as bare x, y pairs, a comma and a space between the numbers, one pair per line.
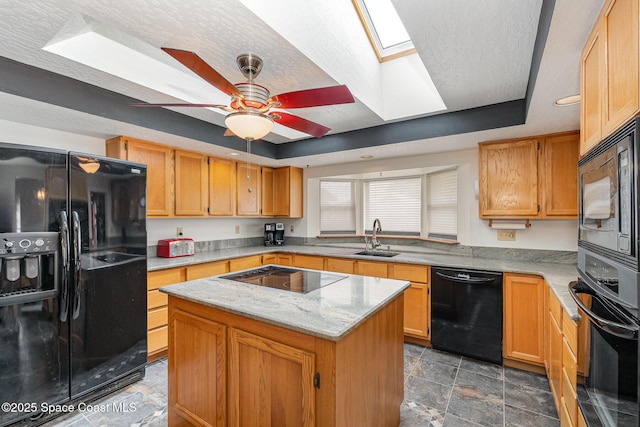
298, 123
315, 97
201, 68
228, 133
179, 105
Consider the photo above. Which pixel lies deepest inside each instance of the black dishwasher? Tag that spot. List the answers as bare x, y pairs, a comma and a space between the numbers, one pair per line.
466, 313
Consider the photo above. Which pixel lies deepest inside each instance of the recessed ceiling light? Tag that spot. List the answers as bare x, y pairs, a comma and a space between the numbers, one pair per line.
233, 153
568, 100
366, 156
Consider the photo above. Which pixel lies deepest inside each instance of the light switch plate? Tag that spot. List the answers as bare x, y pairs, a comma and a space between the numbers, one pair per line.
507, 235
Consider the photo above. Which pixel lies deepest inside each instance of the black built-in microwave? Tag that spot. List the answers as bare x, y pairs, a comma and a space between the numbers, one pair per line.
608, 186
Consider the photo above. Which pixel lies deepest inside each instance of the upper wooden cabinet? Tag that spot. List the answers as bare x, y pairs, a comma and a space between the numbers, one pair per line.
520, 178
248, 189
222, 187
268, 199
288, 192
192, 177
609, 72
160, 172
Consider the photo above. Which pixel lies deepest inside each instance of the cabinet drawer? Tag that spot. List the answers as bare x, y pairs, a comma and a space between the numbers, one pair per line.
555, 307
412, 273
156, 299
375, 269
245, 262
157, 339
157, 317
569, 363
569, 398
207, 269
158, 278
570, 332
307, 261
284, 259
341, 265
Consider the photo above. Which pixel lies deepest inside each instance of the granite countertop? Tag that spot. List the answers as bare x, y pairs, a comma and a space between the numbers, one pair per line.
330, 312
557, 275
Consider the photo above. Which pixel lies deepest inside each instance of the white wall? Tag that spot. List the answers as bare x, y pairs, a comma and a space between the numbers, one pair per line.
550, 234
472, 231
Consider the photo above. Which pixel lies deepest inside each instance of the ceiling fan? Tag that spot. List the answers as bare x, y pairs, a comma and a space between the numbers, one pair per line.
250, 107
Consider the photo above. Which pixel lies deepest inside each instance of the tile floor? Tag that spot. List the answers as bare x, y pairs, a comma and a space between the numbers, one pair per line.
441, 389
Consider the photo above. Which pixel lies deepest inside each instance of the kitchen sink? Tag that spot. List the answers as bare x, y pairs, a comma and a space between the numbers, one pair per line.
385, 254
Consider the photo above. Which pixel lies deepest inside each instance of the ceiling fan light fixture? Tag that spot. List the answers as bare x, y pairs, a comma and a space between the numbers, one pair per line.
249, 125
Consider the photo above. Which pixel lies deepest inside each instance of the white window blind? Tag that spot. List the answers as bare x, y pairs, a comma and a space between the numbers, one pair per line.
337, 207
396, 203
442, 204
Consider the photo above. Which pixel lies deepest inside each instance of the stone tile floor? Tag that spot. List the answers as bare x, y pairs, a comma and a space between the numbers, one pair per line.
441, 390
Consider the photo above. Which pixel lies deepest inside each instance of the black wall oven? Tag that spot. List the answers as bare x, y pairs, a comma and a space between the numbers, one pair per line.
609, 276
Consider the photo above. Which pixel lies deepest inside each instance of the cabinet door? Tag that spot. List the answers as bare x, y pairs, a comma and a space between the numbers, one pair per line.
560, 166
288, 192
248, 188
509, 179
285, 259
341, 265
245, 262
192, 177
197, 370
592, 84
222, 187
207, 269
620, 26
416, 311
523, 318
371, 268
269, 259
308, 261
270, 384
159, 160
268, 201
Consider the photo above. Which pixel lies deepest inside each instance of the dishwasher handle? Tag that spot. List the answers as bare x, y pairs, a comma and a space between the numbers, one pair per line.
465, 278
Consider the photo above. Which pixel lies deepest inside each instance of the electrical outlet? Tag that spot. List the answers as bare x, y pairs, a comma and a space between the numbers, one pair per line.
179, 231
508, 235
237, 229
292, 228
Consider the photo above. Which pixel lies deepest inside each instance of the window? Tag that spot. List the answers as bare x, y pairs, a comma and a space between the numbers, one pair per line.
442, 204
396, 203
384, 28
337, 207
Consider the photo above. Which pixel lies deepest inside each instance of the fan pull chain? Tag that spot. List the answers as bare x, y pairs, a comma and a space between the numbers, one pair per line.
247, 167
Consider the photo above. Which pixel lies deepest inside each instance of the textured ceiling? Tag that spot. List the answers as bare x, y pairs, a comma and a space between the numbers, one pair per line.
477, 53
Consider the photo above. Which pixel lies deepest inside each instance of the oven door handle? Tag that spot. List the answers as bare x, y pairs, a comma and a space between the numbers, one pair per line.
626, 331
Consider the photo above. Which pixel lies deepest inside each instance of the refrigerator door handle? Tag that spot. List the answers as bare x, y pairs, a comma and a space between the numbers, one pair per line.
77, 245
64, 251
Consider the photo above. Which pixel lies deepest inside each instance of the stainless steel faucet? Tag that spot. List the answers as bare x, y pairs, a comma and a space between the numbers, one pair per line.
374, 240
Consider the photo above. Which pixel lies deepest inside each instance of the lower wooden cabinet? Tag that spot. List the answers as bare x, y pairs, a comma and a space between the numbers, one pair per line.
243, 263
341, 265
417, 299
207, 269
157, 309
197, 364
524, 318
372, 268
308, 261
273, 379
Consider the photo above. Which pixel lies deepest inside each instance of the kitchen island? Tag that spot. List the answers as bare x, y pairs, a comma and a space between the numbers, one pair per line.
242, 354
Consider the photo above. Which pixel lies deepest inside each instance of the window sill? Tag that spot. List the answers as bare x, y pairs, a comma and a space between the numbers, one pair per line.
388, 236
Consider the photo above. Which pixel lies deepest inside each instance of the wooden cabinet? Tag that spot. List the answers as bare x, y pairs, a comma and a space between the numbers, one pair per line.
288, 192
555, 343
417, 301
248, 189
157, 320
518, 178
524, 318
268, 197
207, 269
308, 261
243, 263
192, 177
285, 259
340, 265
610, 72
222, 187
197, 363
273, 379
160, 171
269, 259
372, 268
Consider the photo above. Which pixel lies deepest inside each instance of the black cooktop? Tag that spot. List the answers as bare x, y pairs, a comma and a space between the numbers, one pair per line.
288, 279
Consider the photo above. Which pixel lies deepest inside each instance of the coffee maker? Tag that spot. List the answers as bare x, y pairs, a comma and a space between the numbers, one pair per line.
270, 234
279, 234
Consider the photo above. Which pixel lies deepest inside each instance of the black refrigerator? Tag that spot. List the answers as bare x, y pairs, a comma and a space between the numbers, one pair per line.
73, 283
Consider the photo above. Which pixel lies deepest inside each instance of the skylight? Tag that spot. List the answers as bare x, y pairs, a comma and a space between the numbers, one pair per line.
384, 28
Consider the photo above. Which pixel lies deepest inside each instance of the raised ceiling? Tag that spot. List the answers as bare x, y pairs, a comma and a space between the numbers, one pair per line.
513, 53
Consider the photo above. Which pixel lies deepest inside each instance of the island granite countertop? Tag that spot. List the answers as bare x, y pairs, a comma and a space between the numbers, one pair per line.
557, 275
330, 312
